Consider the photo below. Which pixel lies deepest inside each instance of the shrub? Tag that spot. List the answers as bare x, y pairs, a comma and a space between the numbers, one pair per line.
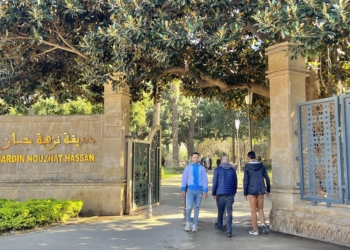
18, 110
97, 108
31, 213
4, 107
48, 106
78, 107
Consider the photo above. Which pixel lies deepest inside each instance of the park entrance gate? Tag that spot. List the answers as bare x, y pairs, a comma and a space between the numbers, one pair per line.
324, 149
143, 162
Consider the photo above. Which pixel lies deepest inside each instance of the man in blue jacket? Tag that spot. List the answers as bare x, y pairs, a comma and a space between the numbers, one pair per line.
195, 180
224, 190
255, 189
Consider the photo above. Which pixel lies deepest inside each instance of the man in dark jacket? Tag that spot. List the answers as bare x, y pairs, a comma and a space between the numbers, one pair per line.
255, 189
224, 190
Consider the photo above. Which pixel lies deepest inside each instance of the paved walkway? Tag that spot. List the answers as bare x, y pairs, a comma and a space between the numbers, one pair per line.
164, 231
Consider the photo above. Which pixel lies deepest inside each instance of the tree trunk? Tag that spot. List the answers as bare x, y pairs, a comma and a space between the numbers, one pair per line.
312, 83
156, 114
191, 129
339, 81
330, 76
174, 96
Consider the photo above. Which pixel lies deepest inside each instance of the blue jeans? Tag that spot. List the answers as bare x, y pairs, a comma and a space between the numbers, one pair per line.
225, 202
193, 199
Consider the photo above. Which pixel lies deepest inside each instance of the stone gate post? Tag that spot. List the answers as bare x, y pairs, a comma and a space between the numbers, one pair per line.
287, 88
115, 126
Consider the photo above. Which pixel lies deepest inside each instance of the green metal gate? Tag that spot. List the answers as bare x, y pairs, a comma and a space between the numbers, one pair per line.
143, 162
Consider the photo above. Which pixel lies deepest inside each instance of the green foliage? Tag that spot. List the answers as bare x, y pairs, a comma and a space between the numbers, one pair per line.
50, 106
73, 47
70, 48
32, 213
18, 110
47, 106
185, 106
216, 122
141, 116
78, 107
318, 30
97, 108
4, 107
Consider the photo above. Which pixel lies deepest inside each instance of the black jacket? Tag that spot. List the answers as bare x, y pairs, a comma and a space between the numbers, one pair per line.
254, 175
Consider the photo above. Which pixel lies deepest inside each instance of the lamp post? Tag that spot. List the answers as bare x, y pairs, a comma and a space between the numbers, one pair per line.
201, 115
248, 101
237, 123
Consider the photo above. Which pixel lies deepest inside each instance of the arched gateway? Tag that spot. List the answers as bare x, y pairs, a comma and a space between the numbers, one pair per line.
89, 158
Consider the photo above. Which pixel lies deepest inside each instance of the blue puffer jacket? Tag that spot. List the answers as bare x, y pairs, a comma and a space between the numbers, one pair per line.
224, 180
254, 175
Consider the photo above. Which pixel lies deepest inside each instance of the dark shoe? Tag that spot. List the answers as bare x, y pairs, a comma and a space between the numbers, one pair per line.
229, 234
264, 228
218, 228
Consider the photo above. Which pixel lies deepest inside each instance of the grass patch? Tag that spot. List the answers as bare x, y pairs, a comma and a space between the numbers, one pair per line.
170, 172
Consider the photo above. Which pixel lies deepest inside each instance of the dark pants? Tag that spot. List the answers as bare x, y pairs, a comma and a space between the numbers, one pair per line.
225, 202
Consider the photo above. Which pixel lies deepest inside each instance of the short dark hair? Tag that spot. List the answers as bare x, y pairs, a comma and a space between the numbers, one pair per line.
251, 155
195, 153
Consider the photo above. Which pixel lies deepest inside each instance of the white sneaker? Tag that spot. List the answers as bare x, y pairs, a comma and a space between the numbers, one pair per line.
194, 228
188, 227
254, 232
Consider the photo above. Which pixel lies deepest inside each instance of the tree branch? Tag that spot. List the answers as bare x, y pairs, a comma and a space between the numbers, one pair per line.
207, 82
64, 40
75, 51
254, 30
72, 50
47, 51
255, 88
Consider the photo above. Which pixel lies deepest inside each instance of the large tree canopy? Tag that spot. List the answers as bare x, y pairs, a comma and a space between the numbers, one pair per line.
215, 47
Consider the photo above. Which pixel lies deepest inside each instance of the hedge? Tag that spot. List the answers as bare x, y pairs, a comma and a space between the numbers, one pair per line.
31, 213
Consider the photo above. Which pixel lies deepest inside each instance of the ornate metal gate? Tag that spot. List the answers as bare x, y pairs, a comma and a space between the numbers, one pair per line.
324, 173
140, 167
143, 161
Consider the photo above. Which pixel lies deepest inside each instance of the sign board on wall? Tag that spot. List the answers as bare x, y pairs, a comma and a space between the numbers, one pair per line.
48, 143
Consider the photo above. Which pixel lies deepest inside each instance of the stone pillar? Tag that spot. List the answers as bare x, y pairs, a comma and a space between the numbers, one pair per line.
287, 88
116, 121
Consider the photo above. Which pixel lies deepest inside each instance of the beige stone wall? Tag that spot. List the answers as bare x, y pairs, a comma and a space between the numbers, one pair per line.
100, 181
316, 222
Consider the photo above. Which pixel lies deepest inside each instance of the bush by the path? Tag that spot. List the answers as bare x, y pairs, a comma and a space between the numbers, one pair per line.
35, 212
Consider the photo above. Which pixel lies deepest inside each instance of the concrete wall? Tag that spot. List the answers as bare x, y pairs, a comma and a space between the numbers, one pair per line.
93, 171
